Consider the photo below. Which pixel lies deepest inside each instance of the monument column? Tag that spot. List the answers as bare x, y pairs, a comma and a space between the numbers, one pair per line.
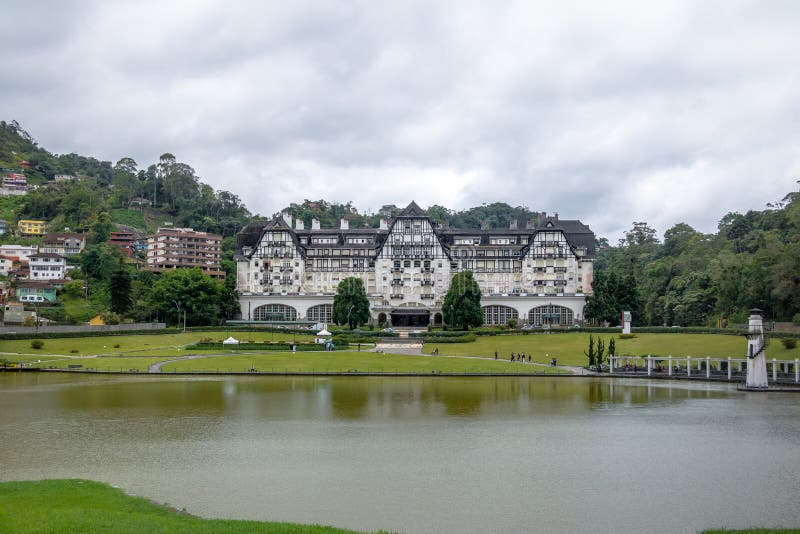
757, 360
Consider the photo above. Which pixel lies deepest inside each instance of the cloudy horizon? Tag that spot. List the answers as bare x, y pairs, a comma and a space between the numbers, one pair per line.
608, 113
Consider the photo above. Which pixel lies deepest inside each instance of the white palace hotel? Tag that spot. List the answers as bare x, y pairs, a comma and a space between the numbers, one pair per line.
538, 274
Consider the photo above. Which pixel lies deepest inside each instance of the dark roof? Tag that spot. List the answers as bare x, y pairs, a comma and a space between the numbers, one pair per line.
412, 210
57, 238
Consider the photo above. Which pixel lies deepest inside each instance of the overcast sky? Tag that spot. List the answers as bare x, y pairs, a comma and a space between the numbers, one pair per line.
601, 111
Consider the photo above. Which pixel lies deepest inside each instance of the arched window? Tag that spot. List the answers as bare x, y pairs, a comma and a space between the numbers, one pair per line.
274, 312
550, 314
498, 314
320, 313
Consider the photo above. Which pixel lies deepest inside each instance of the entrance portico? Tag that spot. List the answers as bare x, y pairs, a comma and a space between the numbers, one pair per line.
410, 317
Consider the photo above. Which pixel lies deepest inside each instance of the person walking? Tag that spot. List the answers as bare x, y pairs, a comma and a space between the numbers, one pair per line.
495, 355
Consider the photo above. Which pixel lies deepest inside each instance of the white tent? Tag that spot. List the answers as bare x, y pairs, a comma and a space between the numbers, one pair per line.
323, 336
231, 341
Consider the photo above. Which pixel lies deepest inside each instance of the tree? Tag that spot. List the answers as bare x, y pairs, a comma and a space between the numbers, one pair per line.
462, 303
120, 290
229, 298
590, 355
350, 304
187, 290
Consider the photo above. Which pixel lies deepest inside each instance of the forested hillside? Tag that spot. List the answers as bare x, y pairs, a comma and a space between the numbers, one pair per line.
497, 215
103, 194
691, 278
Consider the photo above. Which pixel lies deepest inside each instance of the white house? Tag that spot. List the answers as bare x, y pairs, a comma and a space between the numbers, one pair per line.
47, 266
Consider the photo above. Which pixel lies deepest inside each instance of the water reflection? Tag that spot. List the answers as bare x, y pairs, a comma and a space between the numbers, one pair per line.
341, 397
547, 452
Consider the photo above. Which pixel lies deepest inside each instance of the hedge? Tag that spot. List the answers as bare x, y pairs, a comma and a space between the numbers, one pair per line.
301, 347
443, 333
464, 338
364, 333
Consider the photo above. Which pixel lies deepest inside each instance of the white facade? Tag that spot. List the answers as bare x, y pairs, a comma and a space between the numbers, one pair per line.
5, 266
20, 251
47, 266
537, 275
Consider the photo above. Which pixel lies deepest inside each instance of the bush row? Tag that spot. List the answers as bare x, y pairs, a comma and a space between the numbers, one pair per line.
301, 347
463, 338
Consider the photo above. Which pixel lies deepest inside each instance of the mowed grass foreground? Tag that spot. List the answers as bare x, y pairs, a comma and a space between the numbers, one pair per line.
138, 352
569, 347
86, 506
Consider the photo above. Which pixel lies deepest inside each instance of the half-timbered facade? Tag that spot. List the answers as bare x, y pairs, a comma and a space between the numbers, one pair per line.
538, 274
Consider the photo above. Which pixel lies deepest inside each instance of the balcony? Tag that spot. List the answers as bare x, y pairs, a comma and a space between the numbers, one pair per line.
426, 296
397, 269
427, 282
397, 282
400, 297
427, 269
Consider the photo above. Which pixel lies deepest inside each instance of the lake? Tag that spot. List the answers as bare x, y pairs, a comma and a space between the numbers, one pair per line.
544, 454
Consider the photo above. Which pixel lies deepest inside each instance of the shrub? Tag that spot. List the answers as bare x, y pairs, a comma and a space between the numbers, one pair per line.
627, 336
116, 346
789, 342
74, 351
37, 344
512, 324
796, 319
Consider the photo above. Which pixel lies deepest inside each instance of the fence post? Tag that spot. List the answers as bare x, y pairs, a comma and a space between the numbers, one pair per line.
649, 365
688, 366
774, 369
730, 369
796, 370
708, 367
670, 365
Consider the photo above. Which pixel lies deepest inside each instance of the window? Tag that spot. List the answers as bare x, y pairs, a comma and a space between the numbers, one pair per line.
498, 314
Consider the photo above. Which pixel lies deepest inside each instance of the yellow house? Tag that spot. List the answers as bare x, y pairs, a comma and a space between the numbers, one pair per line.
31, 227
96, 321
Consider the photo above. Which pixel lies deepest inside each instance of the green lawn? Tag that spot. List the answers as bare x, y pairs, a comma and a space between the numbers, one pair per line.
343, 361
569, 348
86, 506
133, 345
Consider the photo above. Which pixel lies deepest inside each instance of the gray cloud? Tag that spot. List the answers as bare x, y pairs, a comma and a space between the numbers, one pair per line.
612, 113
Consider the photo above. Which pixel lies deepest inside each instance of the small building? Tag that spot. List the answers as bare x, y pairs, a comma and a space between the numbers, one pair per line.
139, 202
20, 252
47, 266
15, 180
123, 240
65, 244
63, 177
6, 265
30, 227
14, 313
36, 292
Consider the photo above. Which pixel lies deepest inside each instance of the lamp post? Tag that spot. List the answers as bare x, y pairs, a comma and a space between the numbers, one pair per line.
178, 306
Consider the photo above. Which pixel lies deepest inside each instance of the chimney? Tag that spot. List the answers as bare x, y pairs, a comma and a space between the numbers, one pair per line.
512, 225
384, 224
287, 217
555, 217
315, 224
344, 224
299, 224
